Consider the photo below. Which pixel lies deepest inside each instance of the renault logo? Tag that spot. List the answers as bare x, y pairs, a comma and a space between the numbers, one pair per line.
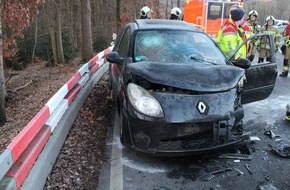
202, 107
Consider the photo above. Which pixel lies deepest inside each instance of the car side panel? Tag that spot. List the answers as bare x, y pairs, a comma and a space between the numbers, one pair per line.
116, 69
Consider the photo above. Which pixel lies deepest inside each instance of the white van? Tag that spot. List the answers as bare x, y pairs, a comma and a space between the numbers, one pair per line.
281, 24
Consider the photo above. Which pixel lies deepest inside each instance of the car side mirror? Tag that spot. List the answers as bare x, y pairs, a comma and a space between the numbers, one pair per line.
114, 57
242, 63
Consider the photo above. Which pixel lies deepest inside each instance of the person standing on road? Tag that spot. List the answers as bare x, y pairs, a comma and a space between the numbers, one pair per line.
233, 33
263, 44
145, 13
287, 115
252, 23
175, 14
286, 35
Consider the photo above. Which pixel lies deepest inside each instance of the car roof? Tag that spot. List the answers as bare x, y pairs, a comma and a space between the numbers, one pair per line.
281, 21
144, 24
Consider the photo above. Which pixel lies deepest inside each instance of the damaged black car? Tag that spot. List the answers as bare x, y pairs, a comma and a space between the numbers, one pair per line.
176, 93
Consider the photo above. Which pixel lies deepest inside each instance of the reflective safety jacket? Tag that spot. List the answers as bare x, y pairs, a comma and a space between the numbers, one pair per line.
253, 27
286, 35
230, 36
264, 43
287, 30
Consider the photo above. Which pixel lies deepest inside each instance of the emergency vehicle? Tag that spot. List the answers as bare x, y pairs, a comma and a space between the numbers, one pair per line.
208, 15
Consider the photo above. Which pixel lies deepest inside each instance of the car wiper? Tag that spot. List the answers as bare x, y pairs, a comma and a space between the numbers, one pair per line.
202, 60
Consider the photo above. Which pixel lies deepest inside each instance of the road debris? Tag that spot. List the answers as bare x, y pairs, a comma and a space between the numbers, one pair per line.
255, 138
270, 133
236, 156
209, 176
283, 152
267, 187
248, 168
236, 169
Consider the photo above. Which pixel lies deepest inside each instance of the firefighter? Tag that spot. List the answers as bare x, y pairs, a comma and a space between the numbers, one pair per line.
286, 53
175, 13
233, 33
263, 44
252, 23
145, 13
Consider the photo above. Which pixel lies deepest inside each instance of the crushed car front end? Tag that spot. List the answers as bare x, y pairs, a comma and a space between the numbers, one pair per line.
189, 117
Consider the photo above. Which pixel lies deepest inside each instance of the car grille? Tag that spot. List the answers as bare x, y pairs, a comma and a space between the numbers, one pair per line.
196, 141
202, 140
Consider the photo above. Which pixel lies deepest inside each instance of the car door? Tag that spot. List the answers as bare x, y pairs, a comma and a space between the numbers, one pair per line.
260, 82
121, 46
260, 77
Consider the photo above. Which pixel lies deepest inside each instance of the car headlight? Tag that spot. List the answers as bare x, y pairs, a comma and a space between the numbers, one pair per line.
143, 101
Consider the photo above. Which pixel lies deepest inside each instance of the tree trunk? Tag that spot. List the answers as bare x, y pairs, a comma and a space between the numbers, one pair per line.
166, 10
54, 24
35, 40
49, 9
3, 118
87, 46
118, 15
72, 22
53, 43
60, 55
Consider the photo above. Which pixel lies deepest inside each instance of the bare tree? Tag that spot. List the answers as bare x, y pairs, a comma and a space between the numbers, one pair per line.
2, 79
52, 10
58, 31
35, 39
87, 48
118, 14
267, 8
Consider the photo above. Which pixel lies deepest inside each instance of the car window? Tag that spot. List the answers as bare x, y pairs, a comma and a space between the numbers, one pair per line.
124, 44
175, 47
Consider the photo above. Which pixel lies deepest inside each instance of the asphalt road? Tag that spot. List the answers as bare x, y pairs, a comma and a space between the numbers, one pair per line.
128, 170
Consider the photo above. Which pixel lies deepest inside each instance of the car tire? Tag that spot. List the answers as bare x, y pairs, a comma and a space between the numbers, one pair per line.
122, 131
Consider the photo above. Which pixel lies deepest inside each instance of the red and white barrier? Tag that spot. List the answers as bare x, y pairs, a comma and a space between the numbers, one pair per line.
18, 158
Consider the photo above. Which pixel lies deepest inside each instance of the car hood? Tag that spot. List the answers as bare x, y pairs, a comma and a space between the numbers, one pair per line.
194, 76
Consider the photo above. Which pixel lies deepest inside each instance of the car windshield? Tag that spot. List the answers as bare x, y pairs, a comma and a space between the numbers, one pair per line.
173, 46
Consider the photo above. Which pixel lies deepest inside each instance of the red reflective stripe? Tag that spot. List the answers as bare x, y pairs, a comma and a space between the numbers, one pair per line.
95, 68
229, 30
106, 51
73, 80
26, 135
72, 94
23, 165
94, 59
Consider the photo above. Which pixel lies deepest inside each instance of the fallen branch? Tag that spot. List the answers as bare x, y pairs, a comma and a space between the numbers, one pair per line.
20, 87
10, 76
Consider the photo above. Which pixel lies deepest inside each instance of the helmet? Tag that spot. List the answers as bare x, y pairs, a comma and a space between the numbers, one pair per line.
176, 11
145, 10
270, 18
253, 12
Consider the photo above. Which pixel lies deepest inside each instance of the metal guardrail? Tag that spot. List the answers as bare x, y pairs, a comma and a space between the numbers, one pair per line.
29, 158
